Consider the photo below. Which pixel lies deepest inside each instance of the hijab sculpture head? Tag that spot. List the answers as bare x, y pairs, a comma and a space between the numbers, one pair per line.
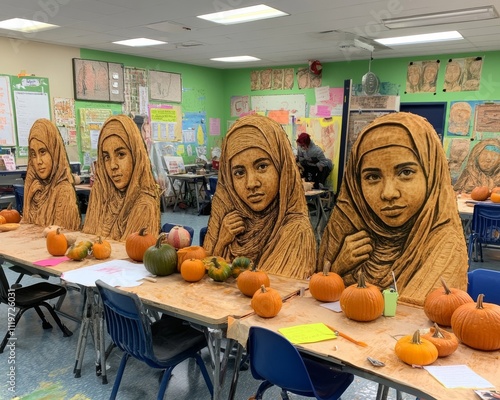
49, 194
398, 211
259, 208
124, 196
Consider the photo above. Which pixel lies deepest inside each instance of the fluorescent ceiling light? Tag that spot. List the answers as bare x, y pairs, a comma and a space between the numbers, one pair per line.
447, 17
140, 42
25, 25
425, 38
246, 14
236, 59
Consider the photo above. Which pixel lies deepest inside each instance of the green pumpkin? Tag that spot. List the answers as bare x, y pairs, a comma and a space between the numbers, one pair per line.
161, 259
239, 265
77, 252
218, 269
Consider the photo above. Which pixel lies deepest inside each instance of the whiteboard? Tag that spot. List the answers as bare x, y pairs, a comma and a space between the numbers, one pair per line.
30, 106
294, 103
7, 131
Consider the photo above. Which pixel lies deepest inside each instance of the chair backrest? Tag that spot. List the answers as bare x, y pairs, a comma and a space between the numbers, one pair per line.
486, 222
126, 321
275, 359
203, 232
168, 226
485, 281
212, 184
19, 196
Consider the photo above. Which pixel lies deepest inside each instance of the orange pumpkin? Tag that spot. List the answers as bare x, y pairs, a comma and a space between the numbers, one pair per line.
480, 193
446, 342
185, 253
326, 285
362, 301
440, 303
56, 243
495, 196
137, 243
478, 324
251, 280
193, 270
414, 350
2, 220
11, 215
266, 302
101, 249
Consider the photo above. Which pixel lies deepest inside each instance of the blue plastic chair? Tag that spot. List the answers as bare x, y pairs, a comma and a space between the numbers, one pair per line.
485, 229
19, 196
212, 185
485, 281
167, 227
276, 361
203, 232
163, 344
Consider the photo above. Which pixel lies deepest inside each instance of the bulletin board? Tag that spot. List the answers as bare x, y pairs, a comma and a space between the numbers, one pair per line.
295, 104
31, 102
7, 127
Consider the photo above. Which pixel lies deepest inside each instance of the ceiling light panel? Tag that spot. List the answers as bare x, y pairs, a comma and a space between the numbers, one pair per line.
241, 15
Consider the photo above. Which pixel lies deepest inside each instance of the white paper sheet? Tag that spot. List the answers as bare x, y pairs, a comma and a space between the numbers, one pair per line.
335, 306
115, 273
458, 376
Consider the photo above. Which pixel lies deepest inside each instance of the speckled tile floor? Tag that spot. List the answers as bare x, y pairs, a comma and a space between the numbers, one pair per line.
44, 359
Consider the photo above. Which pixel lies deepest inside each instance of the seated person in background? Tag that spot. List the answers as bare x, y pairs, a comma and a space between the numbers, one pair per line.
124, 196
49, 194
315, 165
259, 209
397, 212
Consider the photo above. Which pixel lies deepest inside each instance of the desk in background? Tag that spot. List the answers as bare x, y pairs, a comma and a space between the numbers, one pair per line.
314, 197
381, 336
193, 188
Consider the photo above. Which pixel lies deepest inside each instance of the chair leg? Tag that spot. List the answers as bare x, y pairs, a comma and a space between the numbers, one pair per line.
11, 329
204, 372
119, 375
262, 388
45, 324
164, 383
66, 332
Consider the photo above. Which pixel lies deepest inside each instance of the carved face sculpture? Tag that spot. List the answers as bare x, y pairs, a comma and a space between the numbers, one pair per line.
117, 161
41, 158
393, 184
255, 178
488, 159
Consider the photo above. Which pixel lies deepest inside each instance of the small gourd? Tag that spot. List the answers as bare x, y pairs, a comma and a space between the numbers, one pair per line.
251, 280
48, 229
239, 265
362, 301
446, 342
178, 237
11, 215
137, 243
326, 286
266, 302
101, 249
78, 251
478, 324
161, 259
218, 268
56, 243
193, 270
480, 193
440, 303
414, 350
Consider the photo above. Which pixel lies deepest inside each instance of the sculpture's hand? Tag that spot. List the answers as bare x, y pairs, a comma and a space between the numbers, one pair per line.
356, 249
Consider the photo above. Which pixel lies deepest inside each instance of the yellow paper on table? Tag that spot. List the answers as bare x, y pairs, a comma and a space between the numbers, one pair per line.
308, 333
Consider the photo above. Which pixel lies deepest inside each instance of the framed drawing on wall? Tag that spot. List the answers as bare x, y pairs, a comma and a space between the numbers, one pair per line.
98, 80
165, 86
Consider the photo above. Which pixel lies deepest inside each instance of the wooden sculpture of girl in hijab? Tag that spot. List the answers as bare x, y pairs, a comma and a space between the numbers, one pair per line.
397, 212
259, 209
124, 197
49, 194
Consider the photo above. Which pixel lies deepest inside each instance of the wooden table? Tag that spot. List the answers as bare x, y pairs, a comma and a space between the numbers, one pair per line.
205, 303
381, 336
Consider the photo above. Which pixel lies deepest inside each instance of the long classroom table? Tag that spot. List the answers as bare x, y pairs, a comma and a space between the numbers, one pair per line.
380, 336
206, 303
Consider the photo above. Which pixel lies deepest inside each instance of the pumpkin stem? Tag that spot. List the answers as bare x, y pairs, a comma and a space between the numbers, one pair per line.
437, 332
479, 304
416, 337
160, 239
142, 231
216, 263
361, 280
99, 240
263, 289
326, 268
446, 288
9, 207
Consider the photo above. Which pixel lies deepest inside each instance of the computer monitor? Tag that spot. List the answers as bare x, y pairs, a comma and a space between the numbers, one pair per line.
75, 168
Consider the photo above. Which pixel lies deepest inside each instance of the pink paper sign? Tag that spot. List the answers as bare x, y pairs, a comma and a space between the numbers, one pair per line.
49, 262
